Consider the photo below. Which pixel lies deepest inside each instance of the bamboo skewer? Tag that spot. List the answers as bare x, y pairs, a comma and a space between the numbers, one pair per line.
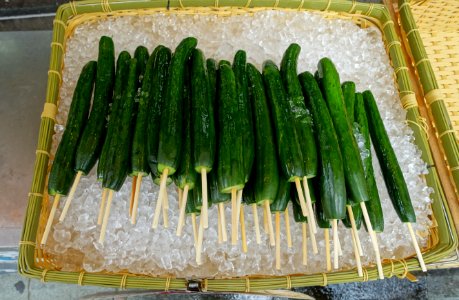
219, 225
106, 215
182, 210
416, 248
270, 224
278, 264
335, 244
138, 183
205, 201
315, 250
180, 197
221, 206
233, 217
299, 190
243, 236
131, 202
305, 244
311, 215
354, 230
50, 219
327, 249
166, 209
238, 208
255, 220
70, 196
357, 255
374, 241
340, 250
159, 202
195, 230
102, 207
265, 220
287, 228
200, 238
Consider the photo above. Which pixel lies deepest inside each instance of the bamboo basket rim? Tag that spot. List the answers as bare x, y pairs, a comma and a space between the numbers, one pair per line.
443, 240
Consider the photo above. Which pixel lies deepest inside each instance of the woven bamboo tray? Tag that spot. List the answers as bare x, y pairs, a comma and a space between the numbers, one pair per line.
34, 263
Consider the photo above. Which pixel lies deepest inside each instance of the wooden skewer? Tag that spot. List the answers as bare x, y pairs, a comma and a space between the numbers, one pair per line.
159, 202
182, 210
238, 208
305, 243
255, 220
219, 225
166, 209
70, 196
287, 228
357, 255
315, 250
278, 263
340, 250
180, 197
311, 215
106, 215
135, 206
270, 223
327, 249
354, 229
335, 243
102, 206
374, 241
243, 236
195, 229
304, 209
200, 238
265, 220
223, 220
50, 219
133, 188
233, 217
205, 201
416, 248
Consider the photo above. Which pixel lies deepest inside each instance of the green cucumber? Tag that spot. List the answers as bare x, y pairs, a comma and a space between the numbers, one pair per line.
301, 116
142, 56
214, 192
223, 62
118, 157
93, 136
348, 89
190, 207
353, 167
248, 196
332, 180
122, 69
211, 66
321, 219
62, 171
230, 148
265, 170
393, 176
297, 213
202, 115
290, 157
170, 135
357, 212
282, 198
197, 191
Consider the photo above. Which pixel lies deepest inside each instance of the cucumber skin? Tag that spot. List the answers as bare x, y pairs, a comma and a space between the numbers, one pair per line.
290, 158
353, 167
169, 149
223, 62
393, 176
245, 112
282, 198
357, 211
62, 171
190, 207
302, 117
118, 157
332, 179
296, 207
142, 56
202, 115
197, 191
93, 136
348, 88
322, 221
158, 95
122, 69
230, 148
265, 173
214, 191
211, 66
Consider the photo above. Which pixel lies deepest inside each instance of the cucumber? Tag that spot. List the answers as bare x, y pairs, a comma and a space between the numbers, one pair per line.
215, 195
357, 212
348, 88
290, 157
282, 198
118, 157
248, 197
190, 207
230, 148
197, 191
122, 69
322, 220
158, 94
393, 176
202, 115
353, 167
301, 116
332, 180
93, 136
142, 56
170, 135
223, 62
62, 171
211, 66
245, 112
266, 170
297, 213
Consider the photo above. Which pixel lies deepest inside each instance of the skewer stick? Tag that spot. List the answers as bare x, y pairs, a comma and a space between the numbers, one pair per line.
374, 241
287, 228
219, 225
133, 188
265, 220
180, 197
311, 215
200, 238
305, 244
270, 223
182, 210
138, 183
70, 196
159, 202
340, 250
278, 263
195, 229
243, 236
255, 220
205, 201
238, 208
354, 229
233, 217
416, 247
106, 215
313, 240
357, 255
304, 209
327, 248
102, 206
166, 209
335, 243
50, 219
223, 220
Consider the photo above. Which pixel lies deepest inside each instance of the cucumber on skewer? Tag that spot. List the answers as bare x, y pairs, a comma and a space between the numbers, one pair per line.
280, 205
299, 218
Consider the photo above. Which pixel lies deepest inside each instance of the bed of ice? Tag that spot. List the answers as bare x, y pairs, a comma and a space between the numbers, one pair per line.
359, 56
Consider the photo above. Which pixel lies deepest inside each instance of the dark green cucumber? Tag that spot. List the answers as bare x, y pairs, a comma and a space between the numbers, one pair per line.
290, 157
297, 213
211, 66
197, 191
353, 167
321, 219
357, 211
332, 180
348, 89
265, 171
393, 176
170, 136
93, 136
282, 198
158, 94
230, 148
248, 196
122, 70
245, 112
214, 192
202, 115
62, 171
190, 207
118, 157
223, 62
301, 116
142, 56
